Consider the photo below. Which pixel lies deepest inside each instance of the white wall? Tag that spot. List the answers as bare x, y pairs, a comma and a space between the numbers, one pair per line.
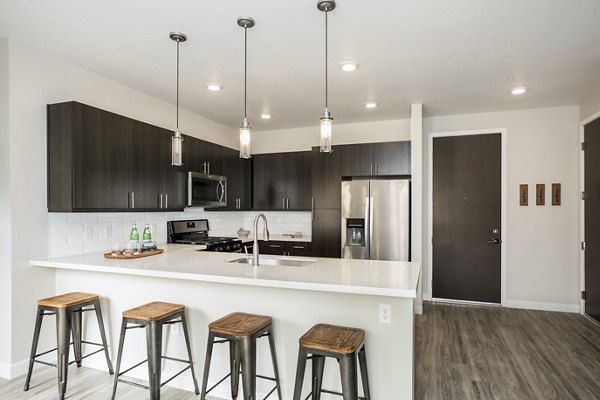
416, 234
542, 242
590, 107
36, 79
5, 266
299, 139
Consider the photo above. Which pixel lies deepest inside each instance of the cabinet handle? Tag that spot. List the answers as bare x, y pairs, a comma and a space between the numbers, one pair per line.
312, 210
132, 199
288, 204
371, 168
160, 201
298, 247
166, 200
275, 246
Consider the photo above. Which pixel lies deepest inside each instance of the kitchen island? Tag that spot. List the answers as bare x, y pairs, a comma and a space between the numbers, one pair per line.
334, 291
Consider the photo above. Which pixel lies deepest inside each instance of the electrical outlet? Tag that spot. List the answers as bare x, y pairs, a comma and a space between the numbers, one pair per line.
89, 233
385, 313
108, 233
176, 329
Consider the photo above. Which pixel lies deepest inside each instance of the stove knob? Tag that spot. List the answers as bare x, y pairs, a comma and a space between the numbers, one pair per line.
219, 249
228, 248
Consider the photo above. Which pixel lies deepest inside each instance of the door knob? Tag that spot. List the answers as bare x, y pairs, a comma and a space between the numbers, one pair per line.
495, 241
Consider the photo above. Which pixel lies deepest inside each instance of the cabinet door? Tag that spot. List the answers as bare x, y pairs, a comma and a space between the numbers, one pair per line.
173, 179
213, 155
298, 249
269, 182
145, 164
392, 158
101, 160
326, 233
239, 180
357, 160
193, 154
326, 178
272, 247
298, 180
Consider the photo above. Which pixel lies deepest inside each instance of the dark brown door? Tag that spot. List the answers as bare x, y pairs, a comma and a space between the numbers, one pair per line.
466, 217
592, 219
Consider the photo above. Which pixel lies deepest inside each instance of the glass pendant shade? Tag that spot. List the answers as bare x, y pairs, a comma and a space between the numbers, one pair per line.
176, 149
245, 132
326, 122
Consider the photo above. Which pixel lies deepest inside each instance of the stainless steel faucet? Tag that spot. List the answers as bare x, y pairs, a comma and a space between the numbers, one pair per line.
265, 237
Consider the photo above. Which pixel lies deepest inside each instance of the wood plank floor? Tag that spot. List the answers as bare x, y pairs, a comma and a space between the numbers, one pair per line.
84, 383
467, 352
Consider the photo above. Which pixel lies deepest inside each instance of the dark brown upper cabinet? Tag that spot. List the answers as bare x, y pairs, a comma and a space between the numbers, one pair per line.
202, 156
327, 178
101, 161
376, 159
282, 181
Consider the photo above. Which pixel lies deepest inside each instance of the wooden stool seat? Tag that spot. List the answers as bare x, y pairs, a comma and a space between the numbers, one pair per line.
240, 324
333, 339
67, 300
154, 311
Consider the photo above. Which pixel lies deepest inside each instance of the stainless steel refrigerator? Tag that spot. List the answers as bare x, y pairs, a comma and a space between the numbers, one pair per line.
376, 219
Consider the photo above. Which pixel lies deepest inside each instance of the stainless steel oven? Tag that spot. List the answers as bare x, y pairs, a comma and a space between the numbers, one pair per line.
206, 190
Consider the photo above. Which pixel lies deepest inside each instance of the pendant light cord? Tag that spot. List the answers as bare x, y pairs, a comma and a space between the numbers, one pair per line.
177, 113
326, 52
245, 70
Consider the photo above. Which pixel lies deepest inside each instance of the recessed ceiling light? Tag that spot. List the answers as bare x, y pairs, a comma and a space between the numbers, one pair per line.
519, 90
371, 104
214, 87
265, 115
349, 66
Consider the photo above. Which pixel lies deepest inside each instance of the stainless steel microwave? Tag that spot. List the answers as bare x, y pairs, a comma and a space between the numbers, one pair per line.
206, 190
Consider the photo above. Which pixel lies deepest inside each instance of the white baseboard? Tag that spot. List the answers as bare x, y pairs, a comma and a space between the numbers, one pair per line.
542, 306
11, 371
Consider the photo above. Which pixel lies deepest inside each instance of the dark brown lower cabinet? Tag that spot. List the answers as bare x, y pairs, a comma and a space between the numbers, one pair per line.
285, 248
326, 233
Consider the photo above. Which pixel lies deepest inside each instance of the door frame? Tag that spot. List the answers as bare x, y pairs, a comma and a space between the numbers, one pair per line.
503, 204
582, 125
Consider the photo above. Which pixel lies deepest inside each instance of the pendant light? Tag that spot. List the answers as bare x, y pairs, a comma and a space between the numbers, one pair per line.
177, 140
245, 129
326, 119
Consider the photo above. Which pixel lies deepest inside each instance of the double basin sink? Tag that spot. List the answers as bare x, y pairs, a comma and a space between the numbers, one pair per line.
283, 262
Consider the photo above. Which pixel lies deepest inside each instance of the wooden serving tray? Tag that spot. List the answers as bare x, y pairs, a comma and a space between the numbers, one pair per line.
131, 256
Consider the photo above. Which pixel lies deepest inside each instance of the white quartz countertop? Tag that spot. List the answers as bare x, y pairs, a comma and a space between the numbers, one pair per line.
366, 277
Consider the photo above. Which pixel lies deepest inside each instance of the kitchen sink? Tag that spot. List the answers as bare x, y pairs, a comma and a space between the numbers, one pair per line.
285, 262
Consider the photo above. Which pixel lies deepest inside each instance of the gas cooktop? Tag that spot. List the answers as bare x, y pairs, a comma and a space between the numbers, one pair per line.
195, 232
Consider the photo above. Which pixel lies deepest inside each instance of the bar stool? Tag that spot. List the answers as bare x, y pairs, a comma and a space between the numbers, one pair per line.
241, 330
153, 316
69, 309
341, 343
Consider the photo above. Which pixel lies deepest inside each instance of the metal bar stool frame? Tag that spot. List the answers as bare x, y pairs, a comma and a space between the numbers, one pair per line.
348, 373
154, 343
242, 356
68, 322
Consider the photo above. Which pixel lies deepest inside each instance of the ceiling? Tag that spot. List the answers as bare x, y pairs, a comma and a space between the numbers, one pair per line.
459, 56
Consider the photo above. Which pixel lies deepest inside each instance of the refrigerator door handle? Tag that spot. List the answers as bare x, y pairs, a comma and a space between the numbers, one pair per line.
370, 234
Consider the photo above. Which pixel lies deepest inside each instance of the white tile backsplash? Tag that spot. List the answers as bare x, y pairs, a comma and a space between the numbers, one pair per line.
68, 230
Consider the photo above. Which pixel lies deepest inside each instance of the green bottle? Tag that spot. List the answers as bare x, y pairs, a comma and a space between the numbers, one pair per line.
146, 236
134, 236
